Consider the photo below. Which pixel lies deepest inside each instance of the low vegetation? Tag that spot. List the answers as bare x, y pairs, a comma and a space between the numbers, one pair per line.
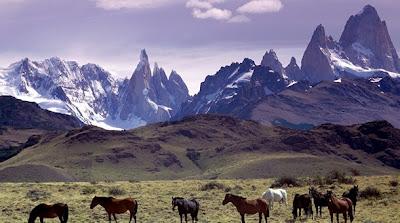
286, 182
154, 197
370, 192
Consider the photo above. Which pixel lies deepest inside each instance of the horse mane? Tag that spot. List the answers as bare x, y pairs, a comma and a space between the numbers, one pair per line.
178, 198
237, 196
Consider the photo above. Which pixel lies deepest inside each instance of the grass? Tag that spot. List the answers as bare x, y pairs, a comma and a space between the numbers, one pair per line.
155, 205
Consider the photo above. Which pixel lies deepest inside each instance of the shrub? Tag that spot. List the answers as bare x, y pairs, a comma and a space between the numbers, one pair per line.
355, 172
115, 191
212, 186
394, 183
88, 190
35, 195
286, 181
370, 192
339, 177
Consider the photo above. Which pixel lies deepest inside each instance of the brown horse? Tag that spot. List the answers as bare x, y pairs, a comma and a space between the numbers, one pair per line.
336, 205
49, 211
116, 206
302, 202
245, 206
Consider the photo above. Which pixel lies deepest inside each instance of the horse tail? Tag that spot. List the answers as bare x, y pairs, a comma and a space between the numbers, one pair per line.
65, 215
135, 208
350, 209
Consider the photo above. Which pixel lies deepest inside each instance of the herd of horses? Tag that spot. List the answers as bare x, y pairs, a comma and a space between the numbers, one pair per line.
261, 206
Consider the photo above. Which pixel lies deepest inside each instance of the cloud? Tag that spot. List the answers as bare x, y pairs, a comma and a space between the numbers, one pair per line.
197, 4
239, 19
212, 13
132, 4
260, 6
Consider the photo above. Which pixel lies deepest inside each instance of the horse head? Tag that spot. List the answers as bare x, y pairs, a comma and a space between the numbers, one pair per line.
176, 202
227, 199
95, 202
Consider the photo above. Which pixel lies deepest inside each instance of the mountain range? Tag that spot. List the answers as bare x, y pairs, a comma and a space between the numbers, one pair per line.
352, 80
92, 95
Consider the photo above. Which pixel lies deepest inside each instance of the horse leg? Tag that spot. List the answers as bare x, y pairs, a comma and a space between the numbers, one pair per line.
337, 217
265, 217
345, 217
181, 217
242, 218
331, 213
115, 218
186, 217
41, 220
259, 217
130, 216
109, 217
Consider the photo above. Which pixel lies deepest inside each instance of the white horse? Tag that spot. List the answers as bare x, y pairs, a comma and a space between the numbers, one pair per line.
275, 195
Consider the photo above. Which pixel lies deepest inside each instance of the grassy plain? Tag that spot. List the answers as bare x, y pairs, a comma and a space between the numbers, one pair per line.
154, 197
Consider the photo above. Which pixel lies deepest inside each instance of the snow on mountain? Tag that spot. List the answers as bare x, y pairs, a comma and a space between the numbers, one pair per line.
365, 50
87, 92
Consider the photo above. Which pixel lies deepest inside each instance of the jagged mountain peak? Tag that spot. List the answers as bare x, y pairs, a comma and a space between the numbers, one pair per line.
143, 56
319, 36
366, 41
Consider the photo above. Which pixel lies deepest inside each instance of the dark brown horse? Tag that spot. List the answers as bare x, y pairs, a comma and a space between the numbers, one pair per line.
43, 211
302, 202
245, 206
352, 194
320, 200
339, 206
116, 206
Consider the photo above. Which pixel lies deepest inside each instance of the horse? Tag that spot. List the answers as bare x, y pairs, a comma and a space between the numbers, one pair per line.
343, 205
302, 202
275, 195
320, 200
352, 194
49, 211
245, 206
185, 207
116, 206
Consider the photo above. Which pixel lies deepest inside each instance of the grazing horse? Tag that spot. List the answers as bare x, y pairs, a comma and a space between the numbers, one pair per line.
275, 195
245, 206
343, 205
320, 200
302, 202
186, 207
49, 211
116, 206
352, 194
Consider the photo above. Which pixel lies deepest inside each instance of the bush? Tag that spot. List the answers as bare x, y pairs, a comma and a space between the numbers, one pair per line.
394, 183
286, 181
35, 195
370, 192
88, 190
339, 177
115, 191
212, 186
355, 172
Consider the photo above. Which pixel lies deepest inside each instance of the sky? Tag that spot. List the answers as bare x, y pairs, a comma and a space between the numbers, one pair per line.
193, 37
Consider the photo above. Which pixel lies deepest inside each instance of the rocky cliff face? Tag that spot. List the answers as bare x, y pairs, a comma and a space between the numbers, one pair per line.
367, 42
152, 96
365, 50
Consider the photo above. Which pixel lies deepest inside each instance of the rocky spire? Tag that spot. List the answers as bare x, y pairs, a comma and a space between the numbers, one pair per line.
316, 63
270, 59
293, 71
367, 42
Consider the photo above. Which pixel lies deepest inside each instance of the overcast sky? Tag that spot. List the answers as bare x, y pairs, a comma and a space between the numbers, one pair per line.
194, 37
